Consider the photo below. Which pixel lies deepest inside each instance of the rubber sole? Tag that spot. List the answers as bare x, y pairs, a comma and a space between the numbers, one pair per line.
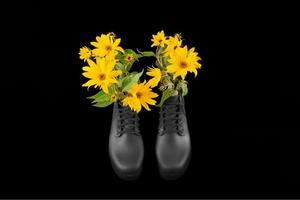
125, 175
173, 174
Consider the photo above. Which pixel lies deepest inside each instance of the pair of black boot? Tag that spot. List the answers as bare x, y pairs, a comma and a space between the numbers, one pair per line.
173, 146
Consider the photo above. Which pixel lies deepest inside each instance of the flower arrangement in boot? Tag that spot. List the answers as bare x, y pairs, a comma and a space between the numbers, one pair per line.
109, 70
173, 60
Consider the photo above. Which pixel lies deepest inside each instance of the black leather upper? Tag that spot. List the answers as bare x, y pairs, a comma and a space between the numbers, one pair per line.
126, 147
173, 144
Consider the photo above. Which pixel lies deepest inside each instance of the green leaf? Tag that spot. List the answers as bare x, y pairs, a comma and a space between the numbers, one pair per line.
131, 51
120, 81
120, 56
184, 89
112, 89
165, 95
102, 104
132, 78
99, 94
121, 67
103, 97
139, 56
102, 100
129, 65
148, 53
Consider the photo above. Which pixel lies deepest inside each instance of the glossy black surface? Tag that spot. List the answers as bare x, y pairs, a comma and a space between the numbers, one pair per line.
126, 148
173, 144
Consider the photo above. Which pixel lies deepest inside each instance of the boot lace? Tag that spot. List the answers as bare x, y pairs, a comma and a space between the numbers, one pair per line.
128, 121
170, 115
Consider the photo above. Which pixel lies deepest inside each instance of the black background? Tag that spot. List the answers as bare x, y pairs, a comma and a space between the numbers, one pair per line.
243, 111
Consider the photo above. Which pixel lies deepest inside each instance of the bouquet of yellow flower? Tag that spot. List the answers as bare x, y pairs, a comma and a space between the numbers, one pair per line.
109, 70
173, 61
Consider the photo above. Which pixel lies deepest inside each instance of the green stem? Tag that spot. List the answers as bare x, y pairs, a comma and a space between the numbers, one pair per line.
158, 58
156, 52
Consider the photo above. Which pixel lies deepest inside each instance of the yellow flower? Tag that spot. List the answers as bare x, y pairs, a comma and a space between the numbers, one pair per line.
101, 73
183, 61
139, 95
129, 57
106, 45
85, 53
113, 97
133, 103
156, 74
159, 39
172, 44
194, 57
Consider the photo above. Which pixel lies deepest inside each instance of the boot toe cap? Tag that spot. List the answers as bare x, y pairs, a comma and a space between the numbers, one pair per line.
126, 156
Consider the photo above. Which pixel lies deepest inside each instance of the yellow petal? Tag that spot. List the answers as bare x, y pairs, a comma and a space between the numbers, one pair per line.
183, 75
89, 83
87, 74
153, 95
138, 107
91, 63
115, 73
171, 68
195, 72
120, 49
95, 44
85, 68
98, 38
104, 88
151, 101
146, 106
117, 42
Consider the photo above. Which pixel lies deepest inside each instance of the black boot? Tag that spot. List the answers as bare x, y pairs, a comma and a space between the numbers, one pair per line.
126, 149
173, 145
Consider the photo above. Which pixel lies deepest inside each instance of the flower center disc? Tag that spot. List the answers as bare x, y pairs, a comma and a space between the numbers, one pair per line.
108, 48
183, 64
102, 77
129, 58
138, 95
